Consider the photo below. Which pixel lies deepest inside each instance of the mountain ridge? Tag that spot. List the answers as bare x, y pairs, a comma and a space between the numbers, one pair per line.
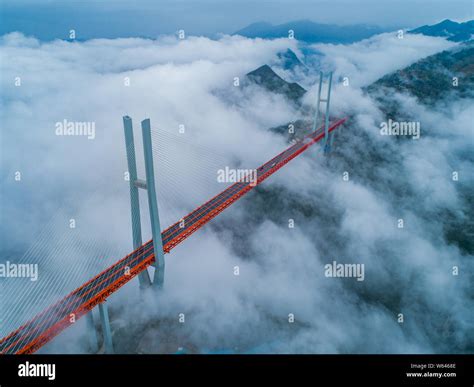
265, 77
432, 79
453, 31
311, 32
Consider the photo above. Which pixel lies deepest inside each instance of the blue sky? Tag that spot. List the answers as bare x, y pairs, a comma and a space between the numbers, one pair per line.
49, 19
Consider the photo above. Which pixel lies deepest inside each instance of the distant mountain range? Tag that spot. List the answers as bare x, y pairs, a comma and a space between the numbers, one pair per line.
456, 32
311, 32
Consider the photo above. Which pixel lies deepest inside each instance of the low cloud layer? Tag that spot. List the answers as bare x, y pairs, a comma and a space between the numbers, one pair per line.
281, 269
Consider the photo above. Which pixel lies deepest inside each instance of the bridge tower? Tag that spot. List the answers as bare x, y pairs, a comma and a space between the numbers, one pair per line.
135, 184
149, 186
328, 137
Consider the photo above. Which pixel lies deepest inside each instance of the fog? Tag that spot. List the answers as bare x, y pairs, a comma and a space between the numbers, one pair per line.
408, 270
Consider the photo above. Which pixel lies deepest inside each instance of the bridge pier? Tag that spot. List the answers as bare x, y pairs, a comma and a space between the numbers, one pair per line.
93, 339
106, 331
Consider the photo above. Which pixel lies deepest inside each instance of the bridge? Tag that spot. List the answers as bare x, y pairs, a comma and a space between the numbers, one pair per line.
42, 328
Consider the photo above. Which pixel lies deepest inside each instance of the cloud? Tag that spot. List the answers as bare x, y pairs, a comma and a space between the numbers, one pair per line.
368, 60
66, 178
281, 269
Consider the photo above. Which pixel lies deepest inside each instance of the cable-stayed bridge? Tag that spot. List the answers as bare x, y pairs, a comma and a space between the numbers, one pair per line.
42, 328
